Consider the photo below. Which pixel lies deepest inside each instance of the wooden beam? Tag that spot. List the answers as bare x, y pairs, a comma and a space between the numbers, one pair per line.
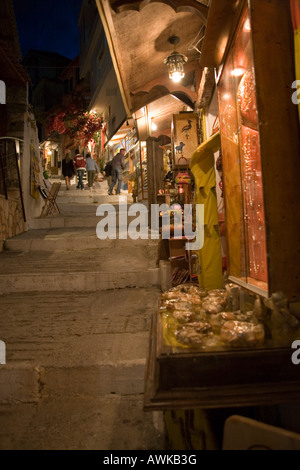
206, 88
222, 14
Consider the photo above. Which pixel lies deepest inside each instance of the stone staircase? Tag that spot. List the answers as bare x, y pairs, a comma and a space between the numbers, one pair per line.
72, 260
64, 253
75, 318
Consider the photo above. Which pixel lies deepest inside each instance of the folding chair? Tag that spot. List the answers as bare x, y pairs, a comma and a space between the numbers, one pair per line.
50, 206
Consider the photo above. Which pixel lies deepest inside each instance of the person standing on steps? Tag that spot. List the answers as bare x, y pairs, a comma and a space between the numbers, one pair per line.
108, 173
118, 165
91, 168
68, 170
79, 163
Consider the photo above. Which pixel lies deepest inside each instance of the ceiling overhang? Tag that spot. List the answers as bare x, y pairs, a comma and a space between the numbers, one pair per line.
137, 32
126, 126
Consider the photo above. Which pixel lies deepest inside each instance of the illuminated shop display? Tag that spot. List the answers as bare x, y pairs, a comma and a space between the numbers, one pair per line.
244, 201
211, 346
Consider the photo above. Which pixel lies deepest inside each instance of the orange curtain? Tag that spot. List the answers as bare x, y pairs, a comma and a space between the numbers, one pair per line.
295, 10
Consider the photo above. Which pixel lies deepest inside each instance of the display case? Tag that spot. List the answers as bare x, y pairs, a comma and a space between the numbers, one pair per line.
200, 356
215, 348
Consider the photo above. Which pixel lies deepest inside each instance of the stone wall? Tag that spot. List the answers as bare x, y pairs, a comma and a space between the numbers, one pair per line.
33, 207
22, 125
11, 219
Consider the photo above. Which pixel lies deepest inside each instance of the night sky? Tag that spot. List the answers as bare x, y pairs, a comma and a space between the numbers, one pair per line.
48, 25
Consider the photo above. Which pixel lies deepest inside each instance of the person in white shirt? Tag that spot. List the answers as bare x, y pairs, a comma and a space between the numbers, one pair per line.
91, 168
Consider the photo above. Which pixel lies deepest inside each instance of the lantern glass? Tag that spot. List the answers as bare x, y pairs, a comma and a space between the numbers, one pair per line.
175, 62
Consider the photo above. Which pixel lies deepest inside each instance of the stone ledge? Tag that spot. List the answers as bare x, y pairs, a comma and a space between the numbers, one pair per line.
26, 384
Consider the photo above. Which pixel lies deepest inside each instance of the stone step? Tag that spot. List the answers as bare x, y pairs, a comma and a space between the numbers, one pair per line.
84, 220
98, 195
78, 215
115, 422
70, 238
23, 383
71, 282
86, 197
75, 344
62, 221
85, 269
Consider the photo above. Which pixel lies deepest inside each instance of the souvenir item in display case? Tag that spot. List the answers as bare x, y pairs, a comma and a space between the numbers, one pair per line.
221, 347
225, 319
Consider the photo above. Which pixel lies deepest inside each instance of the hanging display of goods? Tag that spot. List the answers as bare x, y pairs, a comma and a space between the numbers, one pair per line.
183, 178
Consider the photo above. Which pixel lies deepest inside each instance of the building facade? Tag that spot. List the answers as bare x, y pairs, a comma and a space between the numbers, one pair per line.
21, 169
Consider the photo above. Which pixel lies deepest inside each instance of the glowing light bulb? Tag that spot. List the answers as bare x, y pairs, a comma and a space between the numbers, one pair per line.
177, 76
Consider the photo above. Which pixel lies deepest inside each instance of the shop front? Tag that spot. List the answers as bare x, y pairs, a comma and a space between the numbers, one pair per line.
225, 139
229, 338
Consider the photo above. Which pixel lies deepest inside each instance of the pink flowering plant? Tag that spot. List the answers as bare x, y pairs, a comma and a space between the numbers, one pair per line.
78, 124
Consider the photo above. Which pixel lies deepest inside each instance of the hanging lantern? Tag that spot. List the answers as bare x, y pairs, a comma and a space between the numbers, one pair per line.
175, 62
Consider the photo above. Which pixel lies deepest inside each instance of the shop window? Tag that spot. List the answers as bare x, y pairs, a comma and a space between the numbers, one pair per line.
243, 189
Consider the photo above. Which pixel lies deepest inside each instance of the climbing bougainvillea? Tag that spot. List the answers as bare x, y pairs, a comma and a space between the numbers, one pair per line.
78, 124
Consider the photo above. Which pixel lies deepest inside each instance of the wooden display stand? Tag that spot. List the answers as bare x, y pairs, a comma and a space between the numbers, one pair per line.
182, 262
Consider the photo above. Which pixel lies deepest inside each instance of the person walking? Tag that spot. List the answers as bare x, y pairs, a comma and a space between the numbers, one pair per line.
68, 170
118, 165
91, 168
108, 173
79, 163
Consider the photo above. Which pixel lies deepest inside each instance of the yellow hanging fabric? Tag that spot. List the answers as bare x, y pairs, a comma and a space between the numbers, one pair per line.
202, 165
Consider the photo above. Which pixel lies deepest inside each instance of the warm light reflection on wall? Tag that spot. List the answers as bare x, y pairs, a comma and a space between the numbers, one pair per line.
247, 25
237, 72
